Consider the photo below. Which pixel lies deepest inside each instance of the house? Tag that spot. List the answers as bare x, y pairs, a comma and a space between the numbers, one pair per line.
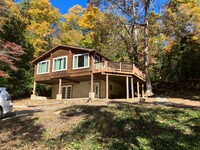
76, 72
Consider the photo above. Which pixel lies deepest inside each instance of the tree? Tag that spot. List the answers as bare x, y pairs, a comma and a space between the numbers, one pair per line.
71, 33
146, 48
133, 16
42, 30
72, 17
10, 51
13, 34
127, 14
182, 28
91, 24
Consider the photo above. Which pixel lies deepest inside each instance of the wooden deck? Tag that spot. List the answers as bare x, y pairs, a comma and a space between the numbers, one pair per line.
119, 68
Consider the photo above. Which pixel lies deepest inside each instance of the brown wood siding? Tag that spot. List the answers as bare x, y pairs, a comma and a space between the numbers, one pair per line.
65, 73
55, 54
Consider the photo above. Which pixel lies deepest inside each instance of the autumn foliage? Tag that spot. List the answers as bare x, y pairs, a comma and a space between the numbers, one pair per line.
9, 53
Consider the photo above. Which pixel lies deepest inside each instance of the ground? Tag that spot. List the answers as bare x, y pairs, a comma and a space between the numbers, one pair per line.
159, 123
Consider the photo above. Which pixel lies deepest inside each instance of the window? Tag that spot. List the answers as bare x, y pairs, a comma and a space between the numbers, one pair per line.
43, 67
96, 59
60, 64
81, 61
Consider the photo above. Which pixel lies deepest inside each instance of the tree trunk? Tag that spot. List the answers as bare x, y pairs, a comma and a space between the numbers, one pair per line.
134, 54
146, 51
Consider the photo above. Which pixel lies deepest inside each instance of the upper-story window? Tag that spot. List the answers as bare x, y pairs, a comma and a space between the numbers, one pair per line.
60, 63
81, 61
96, 58
43, 67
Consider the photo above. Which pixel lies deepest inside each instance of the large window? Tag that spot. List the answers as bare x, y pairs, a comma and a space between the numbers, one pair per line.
43, 67
60, 63
81, 61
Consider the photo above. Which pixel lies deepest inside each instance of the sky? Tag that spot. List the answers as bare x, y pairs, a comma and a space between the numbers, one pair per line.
64, 5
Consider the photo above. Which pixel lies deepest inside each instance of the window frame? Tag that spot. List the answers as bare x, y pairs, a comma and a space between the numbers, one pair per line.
43, 62
88, 65
59, 58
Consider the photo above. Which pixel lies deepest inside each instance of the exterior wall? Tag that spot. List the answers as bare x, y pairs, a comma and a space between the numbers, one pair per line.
70, 71
82, 89
79, 90
118, 90
54, 91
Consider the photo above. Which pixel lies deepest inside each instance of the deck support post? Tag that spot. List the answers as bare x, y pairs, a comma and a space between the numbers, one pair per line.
34, 88
107, 87
142, 90
127, 88
91, 93
33, 96
59, 95
138, 90
132, 88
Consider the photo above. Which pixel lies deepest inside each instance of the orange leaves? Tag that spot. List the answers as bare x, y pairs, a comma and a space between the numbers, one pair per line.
72, 37
42, 10
43, 19
74, 13
90, 18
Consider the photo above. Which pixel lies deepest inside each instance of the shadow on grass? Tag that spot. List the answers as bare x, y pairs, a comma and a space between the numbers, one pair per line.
174, 105
128, 126
21, 127
182, 95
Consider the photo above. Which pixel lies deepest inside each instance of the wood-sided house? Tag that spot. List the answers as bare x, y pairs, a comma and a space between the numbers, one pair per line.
76, 72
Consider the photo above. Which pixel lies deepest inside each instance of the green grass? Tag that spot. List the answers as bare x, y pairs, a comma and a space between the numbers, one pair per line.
128, 126
118, 125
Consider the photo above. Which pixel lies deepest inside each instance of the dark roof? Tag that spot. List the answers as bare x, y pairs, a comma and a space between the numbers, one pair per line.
70, 47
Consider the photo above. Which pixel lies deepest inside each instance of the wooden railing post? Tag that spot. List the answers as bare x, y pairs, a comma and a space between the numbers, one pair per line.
120, 66
133, 68
105, 64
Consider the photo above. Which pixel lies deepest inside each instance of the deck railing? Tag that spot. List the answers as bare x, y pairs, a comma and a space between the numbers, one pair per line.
118, 67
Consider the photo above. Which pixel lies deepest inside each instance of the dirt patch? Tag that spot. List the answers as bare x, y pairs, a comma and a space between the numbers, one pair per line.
43, 120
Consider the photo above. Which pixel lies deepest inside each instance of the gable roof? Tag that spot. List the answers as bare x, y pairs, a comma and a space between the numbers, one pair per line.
64, 47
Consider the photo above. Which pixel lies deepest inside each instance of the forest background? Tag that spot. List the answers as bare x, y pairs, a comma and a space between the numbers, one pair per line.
162, 40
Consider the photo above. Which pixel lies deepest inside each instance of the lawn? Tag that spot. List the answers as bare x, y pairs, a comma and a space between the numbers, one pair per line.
102, 125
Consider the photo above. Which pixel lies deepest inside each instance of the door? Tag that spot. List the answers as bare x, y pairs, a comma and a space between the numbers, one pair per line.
66, 91
96, 90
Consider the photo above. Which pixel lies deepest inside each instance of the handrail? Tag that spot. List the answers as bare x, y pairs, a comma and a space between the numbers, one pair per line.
118, 67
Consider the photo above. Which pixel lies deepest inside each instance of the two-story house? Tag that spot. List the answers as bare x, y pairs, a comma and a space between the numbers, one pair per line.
76, 72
